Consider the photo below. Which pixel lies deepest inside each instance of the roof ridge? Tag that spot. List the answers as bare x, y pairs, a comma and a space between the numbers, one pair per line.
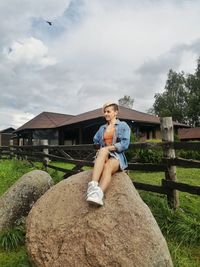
46, 113
57, 113
119, 107
51, 119
140, 112
1, 131
87, 112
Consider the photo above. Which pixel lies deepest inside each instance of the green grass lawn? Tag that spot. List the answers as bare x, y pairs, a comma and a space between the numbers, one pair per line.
181, 228
14, 258
188, 203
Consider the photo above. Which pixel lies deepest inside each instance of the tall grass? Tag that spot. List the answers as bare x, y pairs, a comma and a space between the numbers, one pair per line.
12, 238
181, 228
10, 171
12, 249
178, 225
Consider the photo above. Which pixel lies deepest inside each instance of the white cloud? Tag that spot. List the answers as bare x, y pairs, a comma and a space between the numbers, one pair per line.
13, 118
16, 17
188, 62
94, 51
128, 34
29, 51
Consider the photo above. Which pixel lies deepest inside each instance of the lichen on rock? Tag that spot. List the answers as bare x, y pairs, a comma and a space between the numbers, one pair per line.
17, 201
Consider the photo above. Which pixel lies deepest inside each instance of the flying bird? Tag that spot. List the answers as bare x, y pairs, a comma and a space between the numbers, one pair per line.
49, 22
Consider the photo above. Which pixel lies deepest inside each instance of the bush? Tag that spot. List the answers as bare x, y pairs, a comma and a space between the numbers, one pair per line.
150, 155
12, 238
131, 155
188, 154
147, 155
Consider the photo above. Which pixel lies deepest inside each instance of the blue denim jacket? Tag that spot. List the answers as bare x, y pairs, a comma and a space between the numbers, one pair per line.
121, 140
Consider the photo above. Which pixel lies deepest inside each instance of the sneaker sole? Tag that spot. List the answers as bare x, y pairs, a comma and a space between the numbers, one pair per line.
94, 202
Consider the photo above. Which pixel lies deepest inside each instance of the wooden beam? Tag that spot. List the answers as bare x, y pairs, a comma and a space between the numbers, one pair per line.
186, 163
73, 161
187, 145
147, 167
181, 187
150, 187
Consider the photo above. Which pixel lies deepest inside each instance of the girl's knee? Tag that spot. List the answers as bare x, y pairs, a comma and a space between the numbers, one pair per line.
103, 152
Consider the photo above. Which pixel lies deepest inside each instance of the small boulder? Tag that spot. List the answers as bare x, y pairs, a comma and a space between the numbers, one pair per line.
63, 230
17, 201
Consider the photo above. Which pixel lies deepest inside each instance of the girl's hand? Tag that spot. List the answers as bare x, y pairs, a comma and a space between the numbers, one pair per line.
110, 148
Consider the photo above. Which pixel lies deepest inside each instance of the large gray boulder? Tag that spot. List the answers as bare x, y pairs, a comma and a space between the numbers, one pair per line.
63, 230
17, 201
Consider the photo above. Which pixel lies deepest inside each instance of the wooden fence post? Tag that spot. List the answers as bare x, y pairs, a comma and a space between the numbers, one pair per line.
167, 132
46, 151
21, 143
11, 149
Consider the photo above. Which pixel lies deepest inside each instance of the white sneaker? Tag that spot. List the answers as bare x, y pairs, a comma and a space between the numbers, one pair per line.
95, 197
91, 187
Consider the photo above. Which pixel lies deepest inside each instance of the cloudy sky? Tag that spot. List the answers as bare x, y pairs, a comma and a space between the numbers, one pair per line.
94, 51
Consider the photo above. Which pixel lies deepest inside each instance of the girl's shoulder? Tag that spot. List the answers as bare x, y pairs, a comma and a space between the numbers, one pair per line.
123, 124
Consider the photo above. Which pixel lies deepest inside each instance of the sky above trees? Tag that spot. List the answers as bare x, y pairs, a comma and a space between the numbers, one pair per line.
94, 51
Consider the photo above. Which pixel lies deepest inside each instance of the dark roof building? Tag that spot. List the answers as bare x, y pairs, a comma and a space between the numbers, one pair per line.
186, 134
43, 126
79, 129
5, 136
8, 130
124, 114
45, 120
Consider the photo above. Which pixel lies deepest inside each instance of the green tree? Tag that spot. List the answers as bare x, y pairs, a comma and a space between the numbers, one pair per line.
193, 97
126, 101
173, 101
181, 98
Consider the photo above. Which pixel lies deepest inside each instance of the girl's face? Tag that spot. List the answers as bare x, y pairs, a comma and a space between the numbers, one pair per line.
110, 113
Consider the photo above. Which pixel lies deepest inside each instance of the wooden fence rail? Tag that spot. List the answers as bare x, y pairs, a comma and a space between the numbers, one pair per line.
32, 151
36, 153
83, 155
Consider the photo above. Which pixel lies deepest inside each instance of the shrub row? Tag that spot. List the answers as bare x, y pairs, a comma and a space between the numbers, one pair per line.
155, 155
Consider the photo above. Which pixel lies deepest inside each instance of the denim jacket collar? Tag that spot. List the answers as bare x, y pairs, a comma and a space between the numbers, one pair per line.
116, 123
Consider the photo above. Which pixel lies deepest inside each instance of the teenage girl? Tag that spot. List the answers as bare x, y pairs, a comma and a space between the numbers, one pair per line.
113, 139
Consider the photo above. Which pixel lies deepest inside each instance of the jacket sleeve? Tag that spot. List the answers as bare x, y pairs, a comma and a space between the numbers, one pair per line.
123, 137
97, 137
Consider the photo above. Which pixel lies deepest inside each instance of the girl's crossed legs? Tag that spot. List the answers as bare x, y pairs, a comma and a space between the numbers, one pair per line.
104, 167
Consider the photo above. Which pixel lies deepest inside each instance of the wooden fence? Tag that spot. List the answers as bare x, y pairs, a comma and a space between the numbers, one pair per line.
83, 155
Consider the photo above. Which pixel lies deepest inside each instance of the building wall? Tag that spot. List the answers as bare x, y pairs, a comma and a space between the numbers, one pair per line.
158, 133
5, 139
36, 137
146, 133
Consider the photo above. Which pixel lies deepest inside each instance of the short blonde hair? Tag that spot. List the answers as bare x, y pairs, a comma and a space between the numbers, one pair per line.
110, 103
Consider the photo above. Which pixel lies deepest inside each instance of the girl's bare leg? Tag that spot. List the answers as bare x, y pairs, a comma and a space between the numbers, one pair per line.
110, 167
103, 170
99, 164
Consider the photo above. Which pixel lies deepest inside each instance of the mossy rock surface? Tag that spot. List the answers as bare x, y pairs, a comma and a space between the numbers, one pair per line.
17, 201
